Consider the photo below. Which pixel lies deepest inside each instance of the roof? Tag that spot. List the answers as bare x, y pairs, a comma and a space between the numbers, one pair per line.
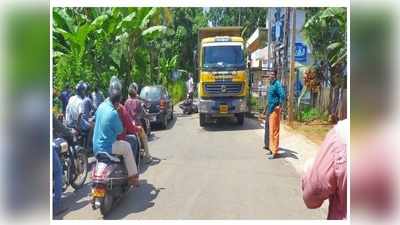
219, 31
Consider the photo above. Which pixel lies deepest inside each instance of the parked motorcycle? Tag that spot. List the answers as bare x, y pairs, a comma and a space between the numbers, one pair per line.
109, 181
187, 106
74, 162
146, 119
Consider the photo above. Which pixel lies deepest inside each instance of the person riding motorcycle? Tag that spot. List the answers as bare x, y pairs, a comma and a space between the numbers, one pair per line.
77, 115
134, 106
130, 133
59, 130
108, 125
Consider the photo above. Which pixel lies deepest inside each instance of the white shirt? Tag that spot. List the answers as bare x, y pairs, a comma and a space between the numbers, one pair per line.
190, 85
74, 109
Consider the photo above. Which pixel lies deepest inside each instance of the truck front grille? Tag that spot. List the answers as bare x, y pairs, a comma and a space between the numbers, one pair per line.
223, 88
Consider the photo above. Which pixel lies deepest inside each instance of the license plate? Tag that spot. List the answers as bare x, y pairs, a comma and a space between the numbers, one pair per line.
98, 192
223, 108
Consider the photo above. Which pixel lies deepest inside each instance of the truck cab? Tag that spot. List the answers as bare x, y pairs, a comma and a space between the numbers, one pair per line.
223, 80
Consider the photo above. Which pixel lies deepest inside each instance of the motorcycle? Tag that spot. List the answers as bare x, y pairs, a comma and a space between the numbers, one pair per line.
109, 181
145, 119
187, 106
74, 162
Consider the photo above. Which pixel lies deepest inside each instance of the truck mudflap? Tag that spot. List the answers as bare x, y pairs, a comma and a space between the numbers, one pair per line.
224, 106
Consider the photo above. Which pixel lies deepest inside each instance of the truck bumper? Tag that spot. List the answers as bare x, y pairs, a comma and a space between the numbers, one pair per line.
212, 106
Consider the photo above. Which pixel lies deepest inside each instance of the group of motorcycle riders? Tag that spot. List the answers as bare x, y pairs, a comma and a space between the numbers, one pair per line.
105, 124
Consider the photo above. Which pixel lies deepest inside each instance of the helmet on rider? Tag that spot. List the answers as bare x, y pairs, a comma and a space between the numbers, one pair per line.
115, 90
81, 88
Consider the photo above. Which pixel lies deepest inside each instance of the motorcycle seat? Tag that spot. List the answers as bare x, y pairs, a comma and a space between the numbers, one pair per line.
107, 156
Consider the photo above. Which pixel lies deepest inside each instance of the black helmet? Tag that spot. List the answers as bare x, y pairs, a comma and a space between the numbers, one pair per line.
81, 88
115, 90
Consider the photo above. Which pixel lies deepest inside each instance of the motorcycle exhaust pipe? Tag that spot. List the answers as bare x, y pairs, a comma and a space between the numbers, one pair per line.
97, 204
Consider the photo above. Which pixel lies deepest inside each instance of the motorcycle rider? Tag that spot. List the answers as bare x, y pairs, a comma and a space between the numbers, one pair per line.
134, 107
97, 96
130, 132
108, 125
77, 115
59, 130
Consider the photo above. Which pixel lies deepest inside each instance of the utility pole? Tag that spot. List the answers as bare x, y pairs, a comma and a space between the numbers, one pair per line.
292, 67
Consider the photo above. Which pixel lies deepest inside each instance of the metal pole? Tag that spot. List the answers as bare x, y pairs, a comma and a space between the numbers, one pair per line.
292, 67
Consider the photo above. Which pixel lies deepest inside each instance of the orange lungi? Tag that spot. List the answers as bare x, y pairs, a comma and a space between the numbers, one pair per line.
274, 119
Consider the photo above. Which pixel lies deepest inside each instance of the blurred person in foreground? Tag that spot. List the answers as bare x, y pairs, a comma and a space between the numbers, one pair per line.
108, 126
135, 109
276, 97
326, 177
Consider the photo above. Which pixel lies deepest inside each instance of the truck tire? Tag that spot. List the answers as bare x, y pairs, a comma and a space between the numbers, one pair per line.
202, 119
240, 118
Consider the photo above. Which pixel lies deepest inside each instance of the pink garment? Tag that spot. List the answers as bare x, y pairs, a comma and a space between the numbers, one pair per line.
327, 177
134, 108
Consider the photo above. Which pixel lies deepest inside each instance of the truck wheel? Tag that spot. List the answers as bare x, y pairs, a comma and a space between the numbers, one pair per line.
202, 119
240, 118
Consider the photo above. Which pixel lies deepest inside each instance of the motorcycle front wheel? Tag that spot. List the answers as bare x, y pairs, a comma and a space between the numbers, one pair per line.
81, 170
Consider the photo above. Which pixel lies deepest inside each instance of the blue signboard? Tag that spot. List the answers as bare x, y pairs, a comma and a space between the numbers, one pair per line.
301, 52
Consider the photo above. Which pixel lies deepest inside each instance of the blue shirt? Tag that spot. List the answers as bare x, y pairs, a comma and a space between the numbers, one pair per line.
108, 125
276, 95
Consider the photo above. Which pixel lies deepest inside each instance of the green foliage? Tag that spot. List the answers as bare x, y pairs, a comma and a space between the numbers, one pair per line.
325, 31
249, 18
177, 91
309, 114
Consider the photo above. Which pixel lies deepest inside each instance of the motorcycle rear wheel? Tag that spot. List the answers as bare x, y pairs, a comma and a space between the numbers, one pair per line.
106, 205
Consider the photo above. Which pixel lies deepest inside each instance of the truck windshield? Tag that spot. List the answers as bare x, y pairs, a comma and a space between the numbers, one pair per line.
223, 57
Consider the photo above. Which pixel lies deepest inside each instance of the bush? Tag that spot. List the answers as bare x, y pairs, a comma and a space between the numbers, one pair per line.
177, 91
310, 114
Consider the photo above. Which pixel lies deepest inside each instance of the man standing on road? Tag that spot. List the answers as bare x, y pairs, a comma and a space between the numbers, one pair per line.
276, 97
190, 86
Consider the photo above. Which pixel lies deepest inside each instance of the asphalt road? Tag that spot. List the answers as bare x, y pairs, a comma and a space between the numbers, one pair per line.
219, 172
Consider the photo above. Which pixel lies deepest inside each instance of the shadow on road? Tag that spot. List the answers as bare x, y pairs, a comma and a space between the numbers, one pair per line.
287, 153
75, 200
171, 124
144, 166
228, 124
135, 201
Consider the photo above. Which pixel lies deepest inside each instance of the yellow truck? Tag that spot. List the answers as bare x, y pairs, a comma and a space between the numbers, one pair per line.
223, 79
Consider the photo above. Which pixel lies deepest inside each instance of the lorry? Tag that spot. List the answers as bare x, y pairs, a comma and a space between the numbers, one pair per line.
222, 76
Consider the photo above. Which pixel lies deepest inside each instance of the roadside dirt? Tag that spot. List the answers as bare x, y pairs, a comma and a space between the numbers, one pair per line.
315, 130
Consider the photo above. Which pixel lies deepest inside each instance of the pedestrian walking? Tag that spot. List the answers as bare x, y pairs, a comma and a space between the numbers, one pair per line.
276, 97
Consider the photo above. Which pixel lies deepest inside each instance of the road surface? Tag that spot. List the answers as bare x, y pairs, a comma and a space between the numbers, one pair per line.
218, 172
